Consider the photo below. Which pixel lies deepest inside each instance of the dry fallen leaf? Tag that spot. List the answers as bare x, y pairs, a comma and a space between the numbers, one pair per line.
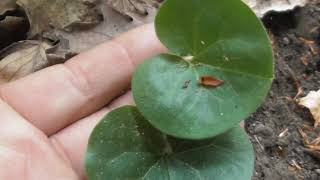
6, 6
23, 58
61, 14
76, 25
12, 29
114, 23
262, 7
127, 7
312, 102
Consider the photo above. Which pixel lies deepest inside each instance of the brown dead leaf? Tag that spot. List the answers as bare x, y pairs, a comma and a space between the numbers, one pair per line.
61, 14
23, 58
312, 102
6, 6
210, 81
113, 24
127, 7
12, 29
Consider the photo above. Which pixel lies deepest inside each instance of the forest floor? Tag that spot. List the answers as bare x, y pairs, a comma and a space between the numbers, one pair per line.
276, 128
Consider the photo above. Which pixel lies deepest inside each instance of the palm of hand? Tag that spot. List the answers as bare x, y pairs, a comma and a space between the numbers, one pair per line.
26, 151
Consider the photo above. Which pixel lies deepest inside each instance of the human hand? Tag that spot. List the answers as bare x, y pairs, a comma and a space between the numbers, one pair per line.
46, 118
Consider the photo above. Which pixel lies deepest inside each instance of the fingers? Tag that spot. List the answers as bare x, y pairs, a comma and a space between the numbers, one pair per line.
74, 139
57, 96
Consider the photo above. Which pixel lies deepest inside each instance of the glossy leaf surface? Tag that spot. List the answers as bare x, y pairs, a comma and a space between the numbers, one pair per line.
220, 40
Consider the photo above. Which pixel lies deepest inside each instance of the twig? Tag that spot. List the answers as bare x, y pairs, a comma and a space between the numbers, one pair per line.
304, 136
283, 133
296, 165
258, 142
310, 44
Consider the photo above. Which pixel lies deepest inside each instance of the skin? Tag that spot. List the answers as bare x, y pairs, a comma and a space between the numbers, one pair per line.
46, 118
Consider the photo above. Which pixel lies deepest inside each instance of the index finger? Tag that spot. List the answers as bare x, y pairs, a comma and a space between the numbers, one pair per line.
57, 96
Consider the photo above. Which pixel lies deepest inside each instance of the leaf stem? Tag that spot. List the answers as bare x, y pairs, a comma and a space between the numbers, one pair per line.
167, 150
188, 58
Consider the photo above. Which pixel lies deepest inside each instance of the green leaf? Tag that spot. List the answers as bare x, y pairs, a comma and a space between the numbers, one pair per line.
125, 146
221, 40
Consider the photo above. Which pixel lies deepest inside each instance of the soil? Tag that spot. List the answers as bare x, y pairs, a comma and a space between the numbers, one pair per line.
297, 66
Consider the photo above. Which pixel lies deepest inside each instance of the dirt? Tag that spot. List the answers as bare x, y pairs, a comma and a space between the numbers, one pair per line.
296, 42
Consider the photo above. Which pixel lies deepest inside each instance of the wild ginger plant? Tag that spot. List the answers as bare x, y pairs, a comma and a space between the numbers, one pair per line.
189, 102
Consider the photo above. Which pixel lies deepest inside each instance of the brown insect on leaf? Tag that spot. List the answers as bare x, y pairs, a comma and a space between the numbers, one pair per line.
210, 81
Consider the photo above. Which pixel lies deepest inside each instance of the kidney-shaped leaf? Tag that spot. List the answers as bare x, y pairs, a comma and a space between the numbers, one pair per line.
125, 146
221, 71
